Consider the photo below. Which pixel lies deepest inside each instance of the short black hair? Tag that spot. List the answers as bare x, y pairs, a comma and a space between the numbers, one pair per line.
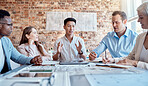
121, 13
4, 13
69, 19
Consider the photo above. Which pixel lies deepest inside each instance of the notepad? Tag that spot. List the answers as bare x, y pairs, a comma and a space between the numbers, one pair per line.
97, 60
40, 70
113, 65
73, 63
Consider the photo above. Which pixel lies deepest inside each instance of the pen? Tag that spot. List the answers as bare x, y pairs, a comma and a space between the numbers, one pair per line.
92, 52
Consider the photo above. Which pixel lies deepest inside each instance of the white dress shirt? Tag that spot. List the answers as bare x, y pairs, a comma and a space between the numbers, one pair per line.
69, 51
2, 56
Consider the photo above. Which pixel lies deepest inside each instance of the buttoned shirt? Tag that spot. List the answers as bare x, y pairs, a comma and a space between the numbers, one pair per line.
69, 51
2, 56
118, 47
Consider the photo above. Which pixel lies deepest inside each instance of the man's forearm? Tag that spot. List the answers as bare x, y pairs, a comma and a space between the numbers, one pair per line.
83, 56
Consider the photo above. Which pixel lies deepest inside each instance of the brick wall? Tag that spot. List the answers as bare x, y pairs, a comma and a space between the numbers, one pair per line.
33, 12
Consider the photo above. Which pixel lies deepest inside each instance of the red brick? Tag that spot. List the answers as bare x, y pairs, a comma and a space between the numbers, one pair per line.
26, 12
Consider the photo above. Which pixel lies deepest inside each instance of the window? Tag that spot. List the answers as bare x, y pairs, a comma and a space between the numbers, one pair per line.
130, 8
85, 21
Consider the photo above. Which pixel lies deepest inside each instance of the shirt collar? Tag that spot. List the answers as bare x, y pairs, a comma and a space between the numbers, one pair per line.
67, 39
125, 34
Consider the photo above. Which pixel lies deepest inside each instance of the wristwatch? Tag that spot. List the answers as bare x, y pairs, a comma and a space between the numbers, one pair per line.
81, 52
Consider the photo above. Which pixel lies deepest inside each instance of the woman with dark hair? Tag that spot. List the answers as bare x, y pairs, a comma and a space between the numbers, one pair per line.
7, 50
30, 46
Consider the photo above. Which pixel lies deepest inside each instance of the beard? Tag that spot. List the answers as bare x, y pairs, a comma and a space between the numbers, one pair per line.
6, 34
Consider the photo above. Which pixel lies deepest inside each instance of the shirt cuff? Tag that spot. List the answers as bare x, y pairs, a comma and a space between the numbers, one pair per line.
141, 65
116, 60
28, 60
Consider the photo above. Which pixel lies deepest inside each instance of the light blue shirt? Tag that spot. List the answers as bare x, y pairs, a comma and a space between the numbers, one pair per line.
118, 47
2, 57
11, 53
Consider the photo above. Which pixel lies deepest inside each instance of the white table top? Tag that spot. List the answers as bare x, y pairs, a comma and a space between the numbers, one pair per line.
77, 75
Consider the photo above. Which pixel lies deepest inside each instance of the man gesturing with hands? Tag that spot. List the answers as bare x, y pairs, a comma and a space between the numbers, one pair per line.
69, 47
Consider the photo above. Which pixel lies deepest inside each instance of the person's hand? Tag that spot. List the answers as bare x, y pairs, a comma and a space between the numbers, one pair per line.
128, 62
36, 60
108, 60
59, 48
92, 56
79, 47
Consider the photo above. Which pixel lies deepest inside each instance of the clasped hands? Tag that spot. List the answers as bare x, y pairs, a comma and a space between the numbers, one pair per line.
36, 60
39, 59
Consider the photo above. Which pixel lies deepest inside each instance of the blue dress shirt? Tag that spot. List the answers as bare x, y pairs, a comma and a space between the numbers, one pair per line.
2, 57
11, 53
118, 47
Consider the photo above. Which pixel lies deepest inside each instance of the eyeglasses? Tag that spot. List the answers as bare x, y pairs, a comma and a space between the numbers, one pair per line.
7, 24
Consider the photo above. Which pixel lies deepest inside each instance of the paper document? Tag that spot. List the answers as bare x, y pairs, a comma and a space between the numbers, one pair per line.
113, 65
50, 62
74, 63
97, 60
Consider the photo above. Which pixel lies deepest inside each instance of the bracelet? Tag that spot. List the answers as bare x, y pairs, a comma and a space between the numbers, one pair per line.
81, 52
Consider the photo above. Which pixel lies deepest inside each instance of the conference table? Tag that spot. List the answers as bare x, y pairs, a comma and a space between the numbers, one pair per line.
53, 73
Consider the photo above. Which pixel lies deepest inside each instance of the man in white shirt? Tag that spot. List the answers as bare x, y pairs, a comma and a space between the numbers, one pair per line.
69, 47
